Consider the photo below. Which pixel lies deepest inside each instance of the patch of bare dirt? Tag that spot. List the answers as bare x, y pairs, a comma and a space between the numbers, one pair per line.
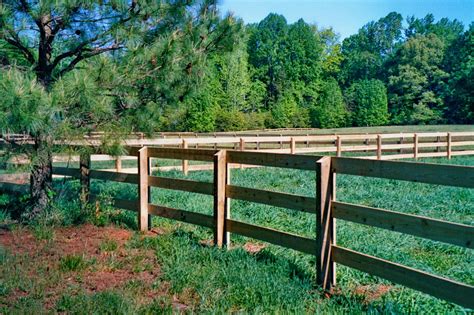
371, 293
108, 267
253, 248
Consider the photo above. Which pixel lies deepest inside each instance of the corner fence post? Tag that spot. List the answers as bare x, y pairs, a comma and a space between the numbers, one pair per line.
219, 197
143, 189
84, 167
325, 224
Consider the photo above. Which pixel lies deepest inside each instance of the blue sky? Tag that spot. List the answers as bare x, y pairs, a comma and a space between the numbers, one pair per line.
347, 16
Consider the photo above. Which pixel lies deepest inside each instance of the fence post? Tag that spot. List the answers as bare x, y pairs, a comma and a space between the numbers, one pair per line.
400, 142
448, 149
292, 145
242, 148
185, 162
226, 240
325, 223
281, 142
379, 147
143, 189
149, 172
415, 146
338, 146
438, 148
118, 164
219, 197
307, 141
84, 166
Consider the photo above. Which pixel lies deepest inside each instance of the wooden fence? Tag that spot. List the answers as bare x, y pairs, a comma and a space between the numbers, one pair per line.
325, 207
368, 146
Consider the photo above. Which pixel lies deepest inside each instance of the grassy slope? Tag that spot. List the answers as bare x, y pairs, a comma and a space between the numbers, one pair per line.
279, 278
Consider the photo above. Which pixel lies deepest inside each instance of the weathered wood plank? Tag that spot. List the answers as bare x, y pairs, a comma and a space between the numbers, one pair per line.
180, 154
443, 288
219, 197
182, 215
302, 244
113, 176
277, 199
272, 159
438, 174
181, 184
438, 230
143, 189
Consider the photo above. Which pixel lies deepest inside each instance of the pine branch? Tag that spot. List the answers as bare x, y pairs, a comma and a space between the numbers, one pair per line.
93, 53
15, 41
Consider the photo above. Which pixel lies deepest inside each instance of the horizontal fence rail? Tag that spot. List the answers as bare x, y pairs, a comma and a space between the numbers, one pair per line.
368, 146
324, 205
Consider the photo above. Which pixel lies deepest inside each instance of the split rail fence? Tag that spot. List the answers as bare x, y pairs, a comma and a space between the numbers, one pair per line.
324, 206
367, 146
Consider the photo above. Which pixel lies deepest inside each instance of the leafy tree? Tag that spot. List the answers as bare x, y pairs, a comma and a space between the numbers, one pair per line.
267, 54
417, 81
365, 52
445, 29
286, 113
330, 110
367, 101
460, 89
151, 52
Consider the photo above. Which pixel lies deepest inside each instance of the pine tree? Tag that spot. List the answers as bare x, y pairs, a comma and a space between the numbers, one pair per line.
98, 65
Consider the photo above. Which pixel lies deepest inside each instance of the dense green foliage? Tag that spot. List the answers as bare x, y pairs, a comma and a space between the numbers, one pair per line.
417, 71
367, 100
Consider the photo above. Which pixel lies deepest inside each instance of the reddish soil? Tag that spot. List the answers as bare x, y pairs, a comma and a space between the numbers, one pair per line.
371, 293
253, 248
104, 270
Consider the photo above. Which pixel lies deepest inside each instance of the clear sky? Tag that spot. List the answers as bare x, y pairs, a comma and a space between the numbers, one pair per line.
347, 16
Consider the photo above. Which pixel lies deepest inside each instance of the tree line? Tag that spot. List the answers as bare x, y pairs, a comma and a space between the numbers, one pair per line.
417, 71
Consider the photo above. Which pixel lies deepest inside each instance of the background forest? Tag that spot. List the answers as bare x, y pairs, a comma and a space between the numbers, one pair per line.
273, 74
393, 71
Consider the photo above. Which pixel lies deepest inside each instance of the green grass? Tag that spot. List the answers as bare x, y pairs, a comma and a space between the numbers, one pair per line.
276, 279
188, 258
72, 263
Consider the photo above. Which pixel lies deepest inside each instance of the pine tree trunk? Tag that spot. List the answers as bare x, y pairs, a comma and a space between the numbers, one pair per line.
41, 180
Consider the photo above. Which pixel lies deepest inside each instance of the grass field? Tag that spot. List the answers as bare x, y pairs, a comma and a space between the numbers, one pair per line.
257, 277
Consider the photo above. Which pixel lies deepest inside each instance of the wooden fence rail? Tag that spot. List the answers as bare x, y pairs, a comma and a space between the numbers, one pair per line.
324, 205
